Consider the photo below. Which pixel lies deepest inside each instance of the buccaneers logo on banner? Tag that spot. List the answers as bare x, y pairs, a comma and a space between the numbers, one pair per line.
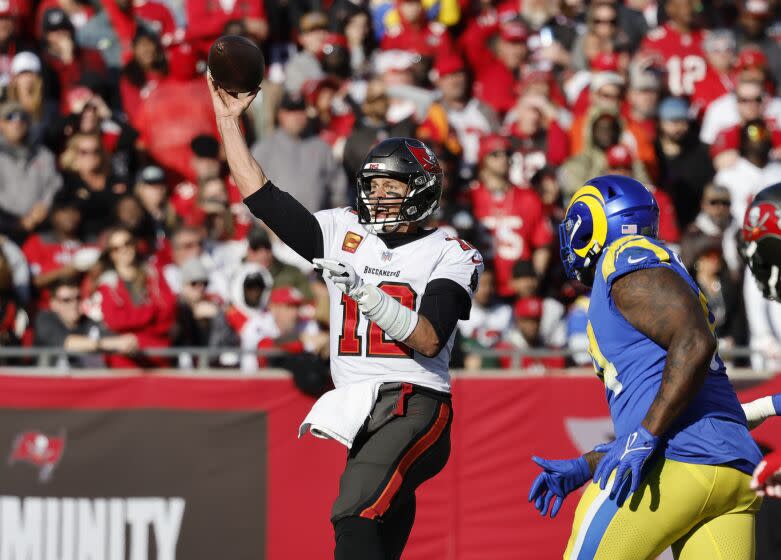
39, 450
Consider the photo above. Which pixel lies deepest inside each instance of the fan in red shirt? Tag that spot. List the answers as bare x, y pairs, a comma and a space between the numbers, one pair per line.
206, 20
678, 46
135, 299
158, 16
526, 335
512, 216
415, 33
51, 254
64, 56
719, 47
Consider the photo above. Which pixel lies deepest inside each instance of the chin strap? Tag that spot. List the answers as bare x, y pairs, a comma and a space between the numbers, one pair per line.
394, 319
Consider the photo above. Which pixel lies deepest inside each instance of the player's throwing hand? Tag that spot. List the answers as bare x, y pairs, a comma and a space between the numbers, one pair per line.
558, 479
627, 455
225, 104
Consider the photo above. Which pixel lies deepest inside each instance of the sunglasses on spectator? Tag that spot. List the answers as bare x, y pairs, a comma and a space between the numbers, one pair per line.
611, 21
125, 245
757, 99
16, 116
720, 202
198, 283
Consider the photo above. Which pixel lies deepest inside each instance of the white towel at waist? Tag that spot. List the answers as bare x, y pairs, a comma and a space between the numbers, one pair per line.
340, 413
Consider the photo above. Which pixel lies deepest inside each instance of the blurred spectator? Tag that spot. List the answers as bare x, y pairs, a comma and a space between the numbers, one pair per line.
415, 33
159, 19
305, 64
677, 47
111, 32
753, 170
640, 115
604, 131
370, 127
577, 331
65, 326
511, 216
284, 275
335, 57
62, 56
470, 117
223, 249
28, 177
204, 163
497, 74
715, 221
354, 22
631, 21
187, 243
87, 176
606, 92
722, 290
720, 48
150, 190
536, 138
27, 89
130, 214
526, 335
291, 332
195, 310
752, 25
749, 101
526, 283
77, 13
601, 35
12, 40
135, 299
318, 184
488, 324
51, 254
142, 74
207, 20
684, 164
244, 323
330, 116
13, 318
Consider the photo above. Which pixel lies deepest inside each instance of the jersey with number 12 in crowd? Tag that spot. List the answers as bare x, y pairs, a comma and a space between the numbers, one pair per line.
360, 350
712, 429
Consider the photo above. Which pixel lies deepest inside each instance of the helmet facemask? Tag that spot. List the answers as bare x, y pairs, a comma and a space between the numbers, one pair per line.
415, 206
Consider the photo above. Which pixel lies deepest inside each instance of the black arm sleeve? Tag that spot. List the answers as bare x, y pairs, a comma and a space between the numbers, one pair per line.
444, 303
287, 218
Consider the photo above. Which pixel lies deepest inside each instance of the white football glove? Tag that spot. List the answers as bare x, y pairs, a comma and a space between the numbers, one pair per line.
341, 274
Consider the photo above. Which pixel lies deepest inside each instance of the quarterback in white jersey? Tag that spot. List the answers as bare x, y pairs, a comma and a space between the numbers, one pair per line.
397, 291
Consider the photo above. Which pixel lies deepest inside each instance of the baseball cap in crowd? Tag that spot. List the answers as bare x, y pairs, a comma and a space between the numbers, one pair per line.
312, 88
491, 143
334, 41
513, 32
751, 57
292, 102
719, 40
395, 60
528, 308
313, 21
194, 271
448, 63
619, 157
152, 175
55, 19
758, 8
258, 238
11, 110
602, 79
523, 269
6, 10
25, 61
205, 146
286, 296
65, 198
674, 109
645, 80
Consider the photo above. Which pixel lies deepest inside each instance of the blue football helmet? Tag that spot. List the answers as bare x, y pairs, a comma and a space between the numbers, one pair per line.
601, 211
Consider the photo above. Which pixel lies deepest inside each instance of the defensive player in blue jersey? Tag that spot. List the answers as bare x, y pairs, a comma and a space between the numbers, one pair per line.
677, 475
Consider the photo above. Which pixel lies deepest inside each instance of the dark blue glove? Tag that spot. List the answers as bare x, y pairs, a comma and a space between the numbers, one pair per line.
557, 480
628, 454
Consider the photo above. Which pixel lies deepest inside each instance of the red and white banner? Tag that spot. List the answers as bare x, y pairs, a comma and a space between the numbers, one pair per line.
173, 467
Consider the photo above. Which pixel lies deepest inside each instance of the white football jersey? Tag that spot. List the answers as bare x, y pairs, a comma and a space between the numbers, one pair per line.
360, 350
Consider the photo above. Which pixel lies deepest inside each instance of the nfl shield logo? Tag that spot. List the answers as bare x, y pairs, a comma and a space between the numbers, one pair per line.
387, 256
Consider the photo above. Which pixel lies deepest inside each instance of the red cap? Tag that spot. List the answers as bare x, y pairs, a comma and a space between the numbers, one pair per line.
513, 32
286, 296
491, 143
751, 57
619, 156
7, 8
334, 40
449, 63
528, 308
312, 88
605, 62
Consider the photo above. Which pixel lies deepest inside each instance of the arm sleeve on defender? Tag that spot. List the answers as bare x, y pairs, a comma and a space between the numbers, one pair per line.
443, 303
288, 219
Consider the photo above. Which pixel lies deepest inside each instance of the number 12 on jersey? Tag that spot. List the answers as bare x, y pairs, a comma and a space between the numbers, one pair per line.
377, 344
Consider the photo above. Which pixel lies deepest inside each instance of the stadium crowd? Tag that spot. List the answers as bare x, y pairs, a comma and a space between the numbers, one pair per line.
122, 230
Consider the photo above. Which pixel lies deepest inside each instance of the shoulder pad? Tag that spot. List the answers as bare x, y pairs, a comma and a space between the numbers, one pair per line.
630, 253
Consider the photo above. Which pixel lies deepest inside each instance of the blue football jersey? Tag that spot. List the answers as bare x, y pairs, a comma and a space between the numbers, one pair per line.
712, 430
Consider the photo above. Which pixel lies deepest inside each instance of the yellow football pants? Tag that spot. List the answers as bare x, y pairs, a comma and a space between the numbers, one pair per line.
702, 511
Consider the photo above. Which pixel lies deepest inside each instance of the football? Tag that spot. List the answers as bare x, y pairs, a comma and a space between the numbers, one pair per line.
236, 64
